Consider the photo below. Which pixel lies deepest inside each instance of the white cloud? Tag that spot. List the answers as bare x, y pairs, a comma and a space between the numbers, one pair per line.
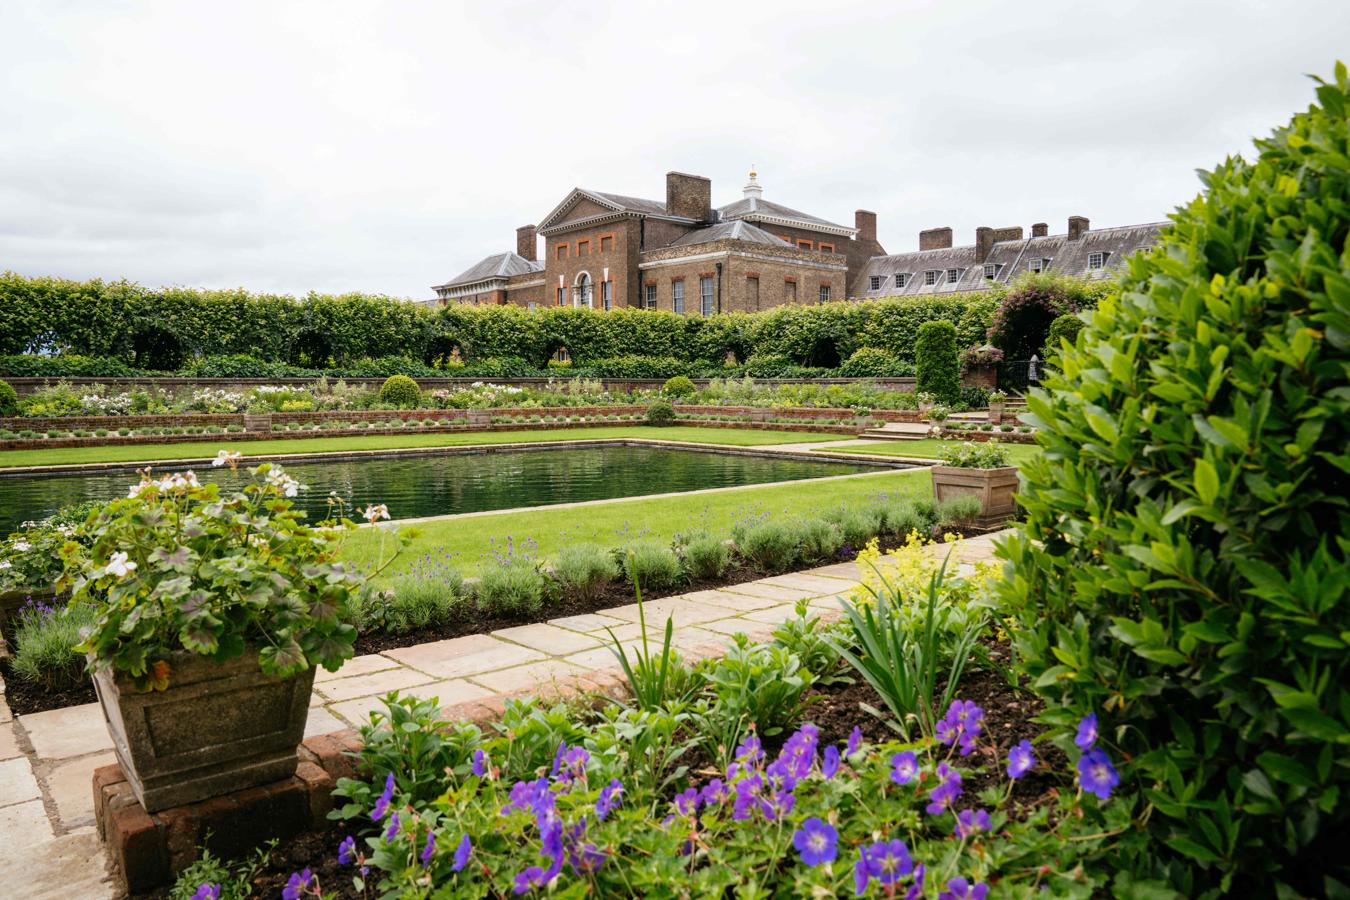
384, 147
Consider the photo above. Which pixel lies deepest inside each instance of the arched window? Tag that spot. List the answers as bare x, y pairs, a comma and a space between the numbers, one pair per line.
581, 291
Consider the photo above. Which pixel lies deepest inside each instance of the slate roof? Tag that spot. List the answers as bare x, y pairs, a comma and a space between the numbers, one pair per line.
498, 265
750, 207
632, 204
1010, 259
735, 230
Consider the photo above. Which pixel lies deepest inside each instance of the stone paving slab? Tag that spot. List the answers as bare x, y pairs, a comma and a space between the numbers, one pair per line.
47, 759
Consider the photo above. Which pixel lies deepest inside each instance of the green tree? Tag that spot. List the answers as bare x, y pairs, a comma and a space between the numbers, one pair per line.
936, 365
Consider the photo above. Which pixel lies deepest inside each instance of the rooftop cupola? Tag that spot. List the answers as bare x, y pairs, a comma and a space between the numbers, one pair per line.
752, 189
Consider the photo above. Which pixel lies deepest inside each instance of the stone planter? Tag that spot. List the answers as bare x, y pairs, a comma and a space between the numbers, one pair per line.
996, 412
994, 487
219, 728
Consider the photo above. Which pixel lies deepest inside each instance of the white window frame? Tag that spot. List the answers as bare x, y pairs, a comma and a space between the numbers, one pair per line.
677, 296
1097, 259
901, 279
1038, 265
930, 277
990, 271
706, 300
607, 294
874, 283
649, 296
824, 293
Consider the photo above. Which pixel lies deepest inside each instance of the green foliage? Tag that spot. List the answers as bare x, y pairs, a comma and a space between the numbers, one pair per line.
401, 391
759, 686
857, 524
233, 879
238, 365
706, 555
1063, 328
960, 511
46, 639
585, 569
770, 545
9, 400
817, 539
511, 586
660, 412
648, 562
652, 677
903, 649
808, 637
415, 601
869, 362
1183, 564
974, 454
937, 369
679, 387
177, 566
1021, 322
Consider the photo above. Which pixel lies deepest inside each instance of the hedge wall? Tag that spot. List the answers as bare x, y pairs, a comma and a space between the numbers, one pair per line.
120, 324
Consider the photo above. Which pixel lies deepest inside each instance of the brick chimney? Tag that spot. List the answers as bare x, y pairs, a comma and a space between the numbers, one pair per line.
689, 196
527, 245
1040, 229
984, 242
935, 239
866, 223
1078, 226
1011, 233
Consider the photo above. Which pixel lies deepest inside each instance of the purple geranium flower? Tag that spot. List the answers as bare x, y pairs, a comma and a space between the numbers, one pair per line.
964, 722
392, 830
970, 822
347, 851
904, 766
1087, 732
686, 802
886, 861
480, 763
750, 750
829, 764
816, 841
1096, 774
382, 804
462, 853
1020, 760
854, 741
961, 889
207, 892
428, 849
946, 791
299, 884
610, 795
714, 793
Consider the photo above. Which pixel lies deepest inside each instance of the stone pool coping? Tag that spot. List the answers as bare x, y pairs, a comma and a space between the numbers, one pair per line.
48, 845
785, 451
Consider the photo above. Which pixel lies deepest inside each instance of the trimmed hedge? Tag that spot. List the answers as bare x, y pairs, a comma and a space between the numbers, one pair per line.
1183, 568
938, 371
9, 400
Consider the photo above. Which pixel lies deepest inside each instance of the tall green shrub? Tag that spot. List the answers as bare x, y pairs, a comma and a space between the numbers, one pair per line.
937, 369
9, 400
1182, 571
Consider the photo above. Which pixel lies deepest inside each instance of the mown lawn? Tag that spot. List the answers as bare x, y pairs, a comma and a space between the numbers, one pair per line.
469, 539
928, 449
207, 448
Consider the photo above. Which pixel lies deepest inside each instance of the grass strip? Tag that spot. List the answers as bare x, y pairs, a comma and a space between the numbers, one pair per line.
207, 448
928, 448
468, 540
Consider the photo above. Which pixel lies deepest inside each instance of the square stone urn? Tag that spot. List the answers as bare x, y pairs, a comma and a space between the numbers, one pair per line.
219, 728
994, 487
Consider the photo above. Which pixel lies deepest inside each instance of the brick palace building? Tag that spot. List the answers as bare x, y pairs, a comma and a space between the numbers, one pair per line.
603, 251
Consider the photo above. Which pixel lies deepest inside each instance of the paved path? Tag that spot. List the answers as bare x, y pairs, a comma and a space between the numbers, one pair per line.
48, 846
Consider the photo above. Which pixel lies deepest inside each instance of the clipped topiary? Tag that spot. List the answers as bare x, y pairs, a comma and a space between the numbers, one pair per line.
400, 391
9, 400
1065, 328
1182, 572
937, 368
869, 362
660, 412
679, 386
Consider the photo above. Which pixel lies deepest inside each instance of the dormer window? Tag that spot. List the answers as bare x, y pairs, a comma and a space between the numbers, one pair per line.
1097, 260
953, 275
930, 277
901, 279
990, 271
1038, 265
874, 282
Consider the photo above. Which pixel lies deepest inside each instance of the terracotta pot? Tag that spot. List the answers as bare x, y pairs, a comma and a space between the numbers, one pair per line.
219, 728
995, 488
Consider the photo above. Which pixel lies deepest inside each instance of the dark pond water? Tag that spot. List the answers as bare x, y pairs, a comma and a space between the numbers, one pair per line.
414, 486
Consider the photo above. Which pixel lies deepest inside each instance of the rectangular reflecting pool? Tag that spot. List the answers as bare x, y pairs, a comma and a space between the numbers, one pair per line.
452, 483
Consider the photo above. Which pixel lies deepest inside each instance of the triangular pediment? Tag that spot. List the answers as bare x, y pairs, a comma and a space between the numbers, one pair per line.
579, 204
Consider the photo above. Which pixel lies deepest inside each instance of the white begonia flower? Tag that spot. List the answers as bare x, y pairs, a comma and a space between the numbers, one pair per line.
374, 513
226, 458
279, 479
119, 565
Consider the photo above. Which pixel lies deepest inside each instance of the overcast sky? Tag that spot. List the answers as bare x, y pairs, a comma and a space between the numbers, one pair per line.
385, 147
